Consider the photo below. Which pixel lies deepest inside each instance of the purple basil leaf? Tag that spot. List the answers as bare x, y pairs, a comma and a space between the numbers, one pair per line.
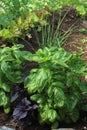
16, 111
29, 108
23, 115
14, 97
25, 102
22, 109
34, 106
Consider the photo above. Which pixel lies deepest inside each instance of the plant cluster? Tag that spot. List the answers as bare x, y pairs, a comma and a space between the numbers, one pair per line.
19, 15
56, 84
10, 73
79, 5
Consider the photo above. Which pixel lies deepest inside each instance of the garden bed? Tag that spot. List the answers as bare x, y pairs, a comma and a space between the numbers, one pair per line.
76, 42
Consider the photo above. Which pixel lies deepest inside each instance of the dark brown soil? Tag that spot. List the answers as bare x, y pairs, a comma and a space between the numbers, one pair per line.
77, 42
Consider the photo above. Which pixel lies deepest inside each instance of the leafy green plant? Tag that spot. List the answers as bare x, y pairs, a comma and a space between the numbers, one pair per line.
19, 15
56, 84
79, 5
10, 73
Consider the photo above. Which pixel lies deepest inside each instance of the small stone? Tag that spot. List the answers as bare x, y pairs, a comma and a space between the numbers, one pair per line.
85, 128
6, 128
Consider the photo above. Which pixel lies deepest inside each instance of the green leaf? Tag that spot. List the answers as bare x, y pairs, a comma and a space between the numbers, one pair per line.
77, 65
38, 98
6, 57
52, 87
61, 57
74, 115
83, 87
3, 98
7, 110
5, 87
58, 84
55, 125
50, 91
37, 80
49, 115
5, 67
72, 101
42, 55
52, 115
59, 97
17, 46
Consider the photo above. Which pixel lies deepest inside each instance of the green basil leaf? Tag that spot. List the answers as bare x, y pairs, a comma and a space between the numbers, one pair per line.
3, 98
38, 98
59, 97
5, 87
74, 115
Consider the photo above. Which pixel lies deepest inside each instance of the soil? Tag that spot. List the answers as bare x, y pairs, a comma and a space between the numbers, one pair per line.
77, 42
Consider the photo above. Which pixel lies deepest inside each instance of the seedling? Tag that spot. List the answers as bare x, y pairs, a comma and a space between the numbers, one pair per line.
84, 41
82, 30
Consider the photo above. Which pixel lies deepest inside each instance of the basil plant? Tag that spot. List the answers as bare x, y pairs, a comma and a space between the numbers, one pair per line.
56, 85
10, 73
